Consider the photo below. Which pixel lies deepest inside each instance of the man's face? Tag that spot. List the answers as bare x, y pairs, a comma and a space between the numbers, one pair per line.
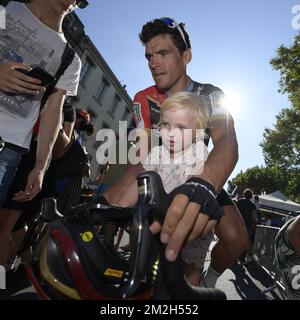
167, 65
63, 6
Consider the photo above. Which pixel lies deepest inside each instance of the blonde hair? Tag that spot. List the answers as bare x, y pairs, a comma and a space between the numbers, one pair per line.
194, 102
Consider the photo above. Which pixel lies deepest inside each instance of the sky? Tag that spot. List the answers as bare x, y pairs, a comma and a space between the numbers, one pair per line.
232, 44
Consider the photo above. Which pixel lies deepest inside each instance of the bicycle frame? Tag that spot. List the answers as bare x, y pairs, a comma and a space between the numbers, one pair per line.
146, 249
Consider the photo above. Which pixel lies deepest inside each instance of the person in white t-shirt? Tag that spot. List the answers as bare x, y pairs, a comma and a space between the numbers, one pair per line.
184, 117
33, 37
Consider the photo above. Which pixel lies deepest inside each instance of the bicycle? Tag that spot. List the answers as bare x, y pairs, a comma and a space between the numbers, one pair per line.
71, 260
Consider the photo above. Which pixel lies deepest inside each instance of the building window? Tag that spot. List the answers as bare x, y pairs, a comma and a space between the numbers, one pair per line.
85, 69
100, 92
114, 105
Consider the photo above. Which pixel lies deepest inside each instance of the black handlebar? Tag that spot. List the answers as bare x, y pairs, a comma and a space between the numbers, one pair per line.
153, 200
177, 286
145, 248
153, 203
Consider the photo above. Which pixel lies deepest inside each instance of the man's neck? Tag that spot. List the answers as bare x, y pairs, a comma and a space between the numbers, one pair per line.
46, 15
183, 85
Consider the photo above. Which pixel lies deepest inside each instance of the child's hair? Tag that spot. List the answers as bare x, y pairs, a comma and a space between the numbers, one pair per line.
196, 103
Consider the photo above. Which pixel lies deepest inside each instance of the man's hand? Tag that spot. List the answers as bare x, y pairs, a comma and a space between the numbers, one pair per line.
13, 81
184, 222
33, 187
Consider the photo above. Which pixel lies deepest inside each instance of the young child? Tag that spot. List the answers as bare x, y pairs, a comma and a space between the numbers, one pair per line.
184, 117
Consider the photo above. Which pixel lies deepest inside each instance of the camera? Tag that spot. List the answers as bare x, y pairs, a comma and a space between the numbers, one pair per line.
87, 127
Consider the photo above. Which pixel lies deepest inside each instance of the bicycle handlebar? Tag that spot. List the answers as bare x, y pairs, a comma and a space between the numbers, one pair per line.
180, 289
152, 204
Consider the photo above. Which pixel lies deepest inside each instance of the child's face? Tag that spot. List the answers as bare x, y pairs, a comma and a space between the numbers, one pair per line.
178, 129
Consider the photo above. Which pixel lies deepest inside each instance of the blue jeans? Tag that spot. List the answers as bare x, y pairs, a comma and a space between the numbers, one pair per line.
9, 161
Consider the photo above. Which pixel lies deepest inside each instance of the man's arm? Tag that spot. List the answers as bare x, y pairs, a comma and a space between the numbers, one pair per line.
116, 191
130, 197
224, 155
294, 234
254, 216
50, 121
63, 141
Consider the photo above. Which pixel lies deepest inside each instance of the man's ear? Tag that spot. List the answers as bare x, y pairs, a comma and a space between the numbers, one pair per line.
187, 56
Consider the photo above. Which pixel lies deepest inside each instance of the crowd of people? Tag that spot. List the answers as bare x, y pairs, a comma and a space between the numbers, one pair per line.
38, 136
38, 125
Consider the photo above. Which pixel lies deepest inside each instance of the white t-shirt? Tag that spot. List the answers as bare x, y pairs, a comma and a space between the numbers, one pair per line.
175, 172
27, 40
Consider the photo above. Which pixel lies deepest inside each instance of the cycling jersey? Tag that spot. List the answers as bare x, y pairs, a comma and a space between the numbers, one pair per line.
147, 104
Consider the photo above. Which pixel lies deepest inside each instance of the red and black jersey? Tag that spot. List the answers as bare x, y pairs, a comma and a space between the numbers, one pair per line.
146, 107
147, 104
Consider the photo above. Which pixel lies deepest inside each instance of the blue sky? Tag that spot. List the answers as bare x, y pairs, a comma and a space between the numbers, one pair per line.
232, 44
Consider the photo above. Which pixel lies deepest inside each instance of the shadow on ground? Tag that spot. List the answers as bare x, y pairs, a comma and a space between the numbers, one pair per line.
251, 280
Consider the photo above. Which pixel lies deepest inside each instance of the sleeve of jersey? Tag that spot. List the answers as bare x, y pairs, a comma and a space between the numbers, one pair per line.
141, 115
217, 100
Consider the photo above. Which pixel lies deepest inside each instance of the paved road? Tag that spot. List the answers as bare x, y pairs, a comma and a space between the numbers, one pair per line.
241, 282
247, 283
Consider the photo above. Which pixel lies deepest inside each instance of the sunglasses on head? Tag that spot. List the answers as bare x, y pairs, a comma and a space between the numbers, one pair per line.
82, 3
174, 25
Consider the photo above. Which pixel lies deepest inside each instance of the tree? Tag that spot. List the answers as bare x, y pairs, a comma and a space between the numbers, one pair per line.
281, 144
259, 179
287, 62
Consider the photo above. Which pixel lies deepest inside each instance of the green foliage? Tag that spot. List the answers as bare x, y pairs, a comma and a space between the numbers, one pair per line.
287, 62
259, 179
268, 179
281, 144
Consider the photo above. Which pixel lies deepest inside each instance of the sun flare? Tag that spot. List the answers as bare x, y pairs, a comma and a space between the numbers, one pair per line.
232, 101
